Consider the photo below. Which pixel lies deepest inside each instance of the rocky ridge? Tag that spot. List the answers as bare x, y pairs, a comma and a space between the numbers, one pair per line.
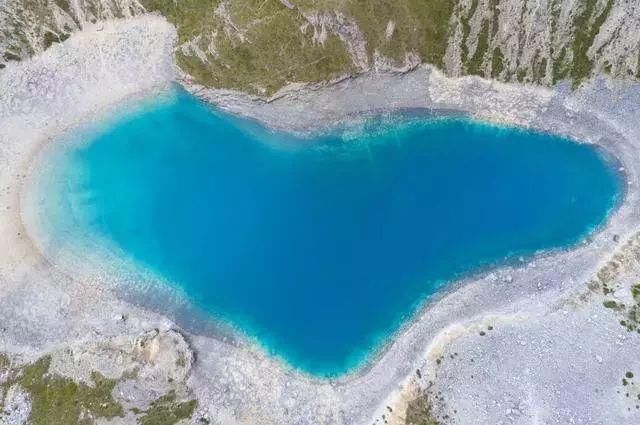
261, 46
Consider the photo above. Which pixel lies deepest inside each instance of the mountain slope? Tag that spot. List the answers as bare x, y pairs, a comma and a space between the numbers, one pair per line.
260, 46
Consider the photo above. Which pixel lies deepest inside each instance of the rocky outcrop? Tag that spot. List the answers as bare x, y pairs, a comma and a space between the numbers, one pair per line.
129, 379
28, 27
544, 41
155, 357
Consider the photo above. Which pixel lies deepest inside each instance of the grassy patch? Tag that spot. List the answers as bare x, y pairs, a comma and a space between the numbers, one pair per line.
51, 38
610, 304
466, 28
59, 400
261, 45
65, 5
560, 70
474, 66
420, 412
497, 63
256, 45
191, 17
631, 313
421, 26
167, 411
586, 26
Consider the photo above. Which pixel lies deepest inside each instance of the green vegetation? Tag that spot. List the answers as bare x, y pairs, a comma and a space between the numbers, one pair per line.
166, 411
420, 26
497, 63
630, 313
586, 26
466, 28
559, 68
419, 412
495, 15
59, 400
475, 63
610, 304
51, 38
259, 46
64, 5
541, 71
252, 45
191, 17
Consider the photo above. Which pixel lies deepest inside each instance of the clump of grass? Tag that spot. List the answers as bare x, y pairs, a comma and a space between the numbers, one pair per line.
181, 361
167, 411
420, 412
559, 68
497, 63
65, 5
475, 63
610, 304
631, 313
466, 28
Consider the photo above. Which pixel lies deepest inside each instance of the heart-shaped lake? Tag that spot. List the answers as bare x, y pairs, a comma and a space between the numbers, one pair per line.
319, 248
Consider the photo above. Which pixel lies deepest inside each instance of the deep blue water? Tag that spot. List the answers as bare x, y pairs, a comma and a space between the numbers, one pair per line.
320, 248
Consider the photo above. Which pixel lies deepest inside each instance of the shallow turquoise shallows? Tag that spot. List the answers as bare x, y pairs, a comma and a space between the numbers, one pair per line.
320, 248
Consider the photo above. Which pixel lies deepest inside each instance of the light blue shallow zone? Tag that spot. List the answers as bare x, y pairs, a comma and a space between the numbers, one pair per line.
320, 249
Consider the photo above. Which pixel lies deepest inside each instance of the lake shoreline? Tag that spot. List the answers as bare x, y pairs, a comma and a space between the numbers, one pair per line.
169, 298
530, 107
506, 295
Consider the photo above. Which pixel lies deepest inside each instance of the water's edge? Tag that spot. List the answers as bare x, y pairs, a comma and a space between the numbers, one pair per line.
200, 322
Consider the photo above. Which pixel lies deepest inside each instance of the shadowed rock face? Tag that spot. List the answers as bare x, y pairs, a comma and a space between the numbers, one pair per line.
260, 46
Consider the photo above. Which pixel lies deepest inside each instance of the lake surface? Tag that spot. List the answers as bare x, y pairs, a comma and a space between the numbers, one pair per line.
319, 248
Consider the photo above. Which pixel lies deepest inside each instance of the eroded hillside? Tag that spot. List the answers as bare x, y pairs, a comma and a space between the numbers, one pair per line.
261, 45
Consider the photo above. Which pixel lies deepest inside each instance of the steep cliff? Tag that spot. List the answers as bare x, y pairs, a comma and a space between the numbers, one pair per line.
260, 46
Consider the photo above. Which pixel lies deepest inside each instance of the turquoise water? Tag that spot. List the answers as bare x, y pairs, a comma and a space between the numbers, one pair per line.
320, 248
